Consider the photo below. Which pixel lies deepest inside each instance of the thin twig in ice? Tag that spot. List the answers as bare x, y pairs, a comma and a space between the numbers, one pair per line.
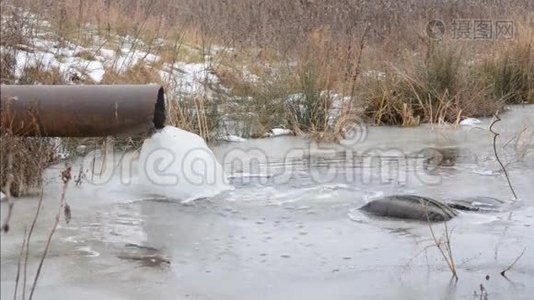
446, 256
503, 273
66, 177
495, 135
28, 239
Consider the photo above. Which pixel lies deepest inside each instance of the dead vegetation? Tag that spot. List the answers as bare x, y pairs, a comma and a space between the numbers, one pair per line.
445, 248
196, 114
409, 78
435, 88
22, 276
503, 168
510, 72
24, 159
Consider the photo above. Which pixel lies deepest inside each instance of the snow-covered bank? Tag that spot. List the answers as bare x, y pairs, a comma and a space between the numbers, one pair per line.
45, 50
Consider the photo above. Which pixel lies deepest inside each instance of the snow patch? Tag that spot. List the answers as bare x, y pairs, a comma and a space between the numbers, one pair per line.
130, 57
66, 65
188, 78
232, 138
374, 74
470, 122
107, 53
249, 76
281, 131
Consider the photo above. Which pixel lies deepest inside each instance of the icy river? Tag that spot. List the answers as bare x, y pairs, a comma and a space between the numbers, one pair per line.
286, 224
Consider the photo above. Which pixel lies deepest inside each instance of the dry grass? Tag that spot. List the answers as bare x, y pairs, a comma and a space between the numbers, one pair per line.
444, 246
7, 72
435, 88
85, 54
24, 159
325, 42
41, 75
196, 114
326, 46
285, 26
510, 72
139, 73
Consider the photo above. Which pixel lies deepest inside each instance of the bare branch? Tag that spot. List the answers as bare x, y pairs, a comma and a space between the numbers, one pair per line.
447, 254
66, 177
28, 239
495, 135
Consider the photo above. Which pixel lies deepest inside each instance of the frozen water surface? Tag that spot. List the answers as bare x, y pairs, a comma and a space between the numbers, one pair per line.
290, 228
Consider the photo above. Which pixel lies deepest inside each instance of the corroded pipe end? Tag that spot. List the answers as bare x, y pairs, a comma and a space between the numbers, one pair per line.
82, 110
159, 110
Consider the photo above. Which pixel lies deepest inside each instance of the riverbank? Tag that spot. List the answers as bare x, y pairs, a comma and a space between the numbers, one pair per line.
384, 72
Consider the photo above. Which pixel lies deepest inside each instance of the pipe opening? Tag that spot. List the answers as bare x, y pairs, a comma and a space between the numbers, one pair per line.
159, 110
82, 110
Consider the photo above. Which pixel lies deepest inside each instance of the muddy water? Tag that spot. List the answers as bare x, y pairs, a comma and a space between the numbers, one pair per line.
291, 228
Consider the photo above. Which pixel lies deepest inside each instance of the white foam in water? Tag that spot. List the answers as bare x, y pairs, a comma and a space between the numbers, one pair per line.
179, 165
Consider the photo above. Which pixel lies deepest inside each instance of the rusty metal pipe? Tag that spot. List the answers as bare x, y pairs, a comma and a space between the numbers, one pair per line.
82, 110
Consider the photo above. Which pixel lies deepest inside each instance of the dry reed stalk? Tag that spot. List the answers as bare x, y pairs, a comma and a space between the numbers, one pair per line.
65, 177
447, 252
28, 240
503, 168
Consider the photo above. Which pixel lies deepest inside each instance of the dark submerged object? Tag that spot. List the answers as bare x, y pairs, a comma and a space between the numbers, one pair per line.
440, 157
410, 207
478, 204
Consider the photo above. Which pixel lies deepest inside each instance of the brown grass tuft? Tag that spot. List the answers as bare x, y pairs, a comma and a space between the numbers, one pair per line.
510, 72
436, 88
196, 114
24, 159
137, 74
